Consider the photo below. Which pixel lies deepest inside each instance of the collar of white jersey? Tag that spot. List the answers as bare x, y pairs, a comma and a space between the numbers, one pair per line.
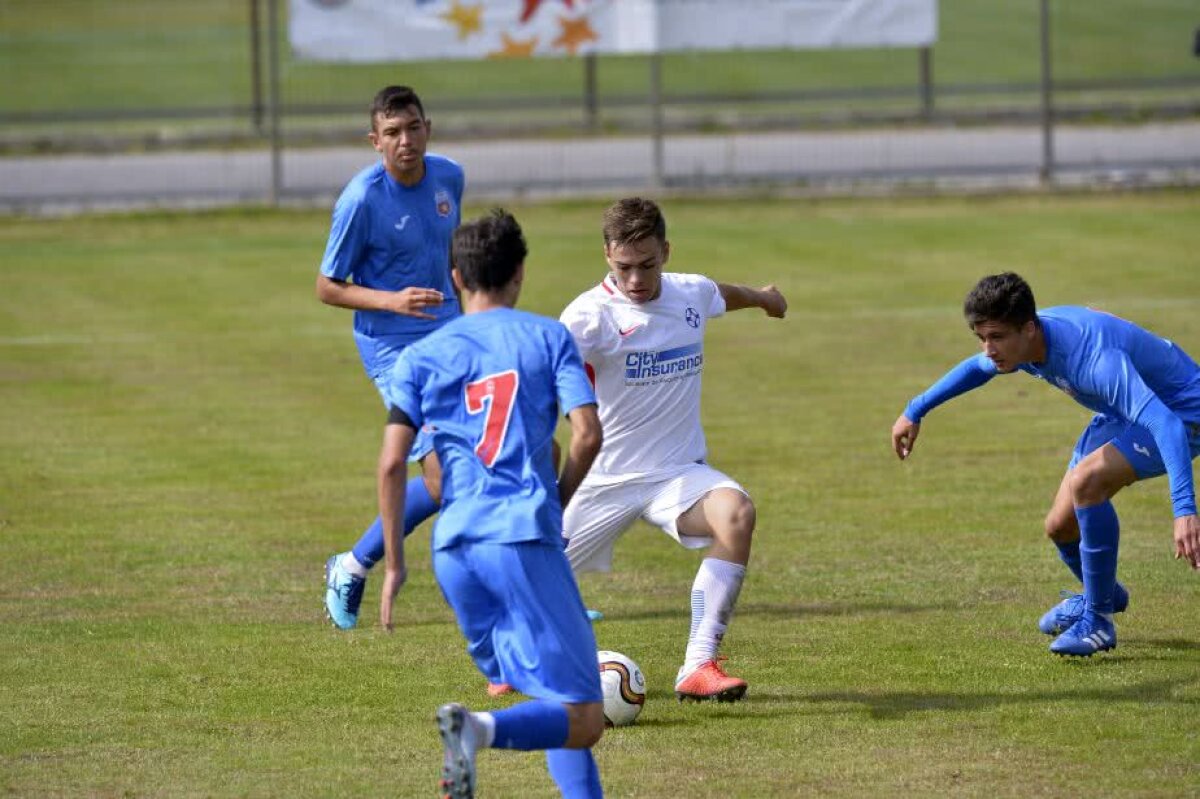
609, 284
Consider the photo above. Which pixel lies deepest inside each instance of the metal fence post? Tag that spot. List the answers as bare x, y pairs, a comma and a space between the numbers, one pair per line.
256, 101
273, 100
656, 119
1046, 173
925, 75
590, 107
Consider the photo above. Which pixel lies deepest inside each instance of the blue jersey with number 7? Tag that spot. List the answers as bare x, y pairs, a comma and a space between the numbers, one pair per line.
490, 387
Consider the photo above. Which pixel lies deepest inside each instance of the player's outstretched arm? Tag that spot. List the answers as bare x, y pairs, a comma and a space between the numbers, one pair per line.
411, 301
904, 436
966, 376
769, 298
392, 477
1187, 539
586, 438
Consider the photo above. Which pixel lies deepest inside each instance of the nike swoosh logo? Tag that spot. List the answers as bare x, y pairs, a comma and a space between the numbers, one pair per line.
629, 331
1145, 451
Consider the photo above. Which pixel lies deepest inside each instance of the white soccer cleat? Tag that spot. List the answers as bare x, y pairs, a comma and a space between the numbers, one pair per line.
460, 739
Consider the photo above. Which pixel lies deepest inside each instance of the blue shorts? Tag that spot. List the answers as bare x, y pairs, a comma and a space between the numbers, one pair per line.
1131, 440
524, 621
378, 357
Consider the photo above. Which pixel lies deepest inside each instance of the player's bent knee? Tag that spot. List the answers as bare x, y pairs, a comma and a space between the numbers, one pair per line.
731, 510
586, 725
1088, 485
749, 513
1061, 529
745, 516
733, 535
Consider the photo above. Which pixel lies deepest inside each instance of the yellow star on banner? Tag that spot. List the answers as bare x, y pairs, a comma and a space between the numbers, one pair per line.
468, 19
574, 33
514, 48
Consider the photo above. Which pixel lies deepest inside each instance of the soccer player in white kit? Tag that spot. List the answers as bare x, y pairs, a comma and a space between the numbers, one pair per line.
641, 335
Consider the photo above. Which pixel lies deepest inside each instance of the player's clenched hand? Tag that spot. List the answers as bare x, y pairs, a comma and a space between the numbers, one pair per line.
904, 435
412, 301
1187, 540
392, 581
773, 302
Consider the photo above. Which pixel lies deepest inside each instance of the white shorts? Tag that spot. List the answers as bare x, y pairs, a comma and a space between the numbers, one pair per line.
600, 512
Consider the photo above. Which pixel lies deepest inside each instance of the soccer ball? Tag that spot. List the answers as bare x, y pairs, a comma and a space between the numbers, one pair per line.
624, 688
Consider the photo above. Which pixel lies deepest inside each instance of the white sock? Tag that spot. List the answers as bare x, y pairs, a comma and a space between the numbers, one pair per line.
485, 729
351, 564
714, 593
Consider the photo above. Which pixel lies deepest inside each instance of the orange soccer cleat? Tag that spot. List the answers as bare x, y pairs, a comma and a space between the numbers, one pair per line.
709, 681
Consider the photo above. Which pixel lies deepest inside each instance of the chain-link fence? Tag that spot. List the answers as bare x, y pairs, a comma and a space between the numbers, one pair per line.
88, 77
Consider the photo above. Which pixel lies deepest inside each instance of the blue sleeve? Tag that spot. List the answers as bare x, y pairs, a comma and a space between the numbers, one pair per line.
971, 373
402, 387
1116, 380
347, 237
571, 381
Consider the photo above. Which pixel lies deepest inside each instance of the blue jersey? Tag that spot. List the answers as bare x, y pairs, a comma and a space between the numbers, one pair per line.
389, 236
1112, 367
1115, 367
489, 387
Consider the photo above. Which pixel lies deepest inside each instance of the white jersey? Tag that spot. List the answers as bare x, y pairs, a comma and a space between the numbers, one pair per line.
645, 361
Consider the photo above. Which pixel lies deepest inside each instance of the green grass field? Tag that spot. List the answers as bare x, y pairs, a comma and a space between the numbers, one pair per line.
187, 435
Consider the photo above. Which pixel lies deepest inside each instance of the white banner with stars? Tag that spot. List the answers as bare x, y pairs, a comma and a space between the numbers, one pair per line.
419, 30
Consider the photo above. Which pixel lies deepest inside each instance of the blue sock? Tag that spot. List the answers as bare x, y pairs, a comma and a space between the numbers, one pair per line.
536, 724
418, 506
575, 773
1069, 552
1070, 556
1099, 530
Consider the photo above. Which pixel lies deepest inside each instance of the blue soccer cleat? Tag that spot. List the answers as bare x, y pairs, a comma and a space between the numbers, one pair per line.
1070, 609
343, 594
1091, 634
594, 615
460, 739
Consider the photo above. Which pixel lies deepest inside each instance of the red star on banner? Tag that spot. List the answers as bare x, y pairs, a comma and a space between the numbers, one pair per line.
531, 7
574, 34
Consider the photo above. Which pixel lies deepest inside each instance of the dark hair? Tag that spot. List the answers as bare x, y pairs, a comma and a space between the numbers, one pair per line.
391, 100
633, 219
487, 251
1004, 298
